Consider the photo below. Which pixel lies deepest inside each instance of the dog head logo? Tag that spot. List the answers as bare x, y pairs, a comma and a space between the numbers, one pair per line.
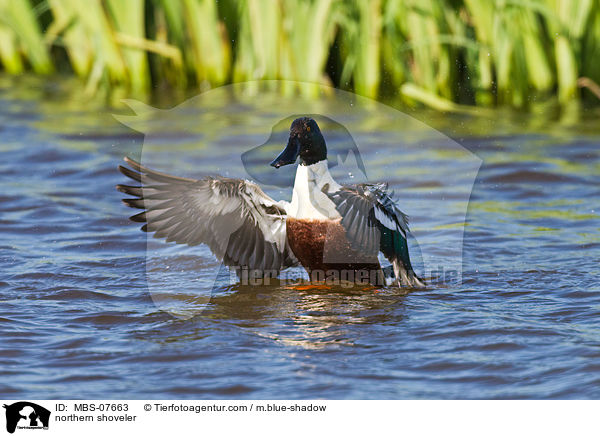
236, 131
26, 415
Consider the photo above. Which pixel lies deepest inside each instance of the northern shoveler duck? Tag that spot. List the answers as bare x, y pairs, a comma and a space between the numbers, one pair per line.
333, 231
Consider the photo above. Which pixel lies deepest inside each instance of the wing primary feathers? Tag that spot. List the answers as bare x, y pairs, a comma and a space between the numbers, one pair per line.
155, 175
134, 202
131, 174
139, 218
235, 218
130, 190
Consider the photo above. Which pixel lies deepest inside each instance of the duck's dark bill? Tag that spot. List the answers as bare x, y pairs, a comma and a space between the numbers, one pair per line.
289, 154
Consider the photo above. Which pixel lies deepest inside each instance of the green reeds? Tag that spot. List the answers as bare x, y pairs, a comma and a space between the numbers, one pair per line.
74, 37
442, 53
209, 43
21, 36
128, 19
285, 39
361, 36
312, 35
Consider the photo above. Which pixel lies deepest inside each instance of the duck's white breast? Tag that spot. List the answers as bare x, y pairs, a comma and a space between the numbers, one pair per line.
308, 199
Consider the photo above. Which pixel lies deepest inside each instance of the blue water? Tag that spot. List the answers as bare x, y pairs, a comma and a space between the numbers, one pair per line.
77, 319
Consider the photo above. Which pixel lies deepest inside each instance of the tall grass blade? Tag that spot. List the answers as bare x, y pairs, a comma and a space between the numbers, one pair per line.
128, 19
211, 48
19, 16
9, 54
68, 28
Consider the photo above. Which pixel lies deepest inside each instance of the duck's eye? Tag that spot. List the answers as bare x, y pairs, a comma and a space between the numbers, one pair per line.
308, 128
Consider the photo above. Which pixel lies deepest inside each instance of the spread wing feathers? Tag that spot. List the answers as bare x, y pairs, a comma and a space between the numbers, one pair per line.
241, 224
374, 223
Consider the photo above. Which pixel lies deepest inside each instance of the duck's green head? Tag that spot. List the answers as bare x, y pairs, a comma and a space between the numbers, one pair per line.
305, 142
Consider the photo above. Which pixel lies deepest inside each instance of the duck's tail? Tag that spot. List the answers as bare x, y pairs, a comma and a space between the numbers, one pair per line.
403, 270
406, 276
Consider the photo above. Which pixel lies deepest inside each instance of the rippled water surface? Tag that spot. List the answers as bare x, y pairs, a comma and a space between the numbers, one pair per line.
78, 319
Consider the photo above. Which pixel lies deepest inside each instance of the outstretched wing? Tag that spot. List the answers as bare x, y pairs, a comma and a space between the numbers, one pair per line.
374, 223
241, 224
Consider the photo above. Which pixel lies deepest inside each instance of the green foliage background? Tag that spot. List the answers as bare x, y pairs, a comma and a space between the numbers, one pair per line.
448, 54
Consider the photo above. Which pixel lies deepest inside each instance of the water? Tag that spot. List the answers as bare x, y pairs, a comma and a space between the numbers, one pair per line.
78, 319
